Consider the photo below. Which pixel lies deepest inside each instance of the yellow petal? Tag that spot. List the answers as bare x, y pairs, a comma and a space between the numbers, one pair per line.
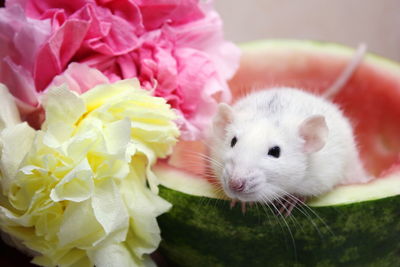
100, 94
113, 255
16, 142
80, 195
74, 258
76, 186
110, 210
80, 226
63, 109
144, 206
9, 115
117, 136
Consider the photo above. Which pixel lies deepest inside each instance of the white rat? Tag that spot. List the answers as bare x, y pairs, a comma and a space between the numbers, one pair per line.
283, 142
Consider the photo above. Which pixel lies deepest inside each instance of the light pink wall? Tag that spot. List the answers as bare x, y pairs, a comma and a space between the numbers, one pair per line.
376, 22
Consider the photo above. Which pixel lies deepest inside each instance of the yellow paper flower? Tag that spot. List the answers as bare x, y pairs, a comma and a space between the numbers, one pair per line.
76, 191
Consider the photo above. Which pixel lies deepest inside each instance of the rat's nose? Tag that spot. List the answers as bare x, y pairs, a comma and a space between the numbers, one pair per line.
237, 185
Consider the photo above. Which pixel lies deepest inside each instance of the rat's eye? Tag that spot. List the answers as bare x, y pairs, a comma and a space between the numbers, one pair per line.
274, 151
233, 141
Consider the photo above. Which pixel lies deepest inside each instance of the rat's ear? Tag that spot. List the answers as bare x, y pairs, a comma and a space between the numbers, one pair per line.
223, 117
314, 131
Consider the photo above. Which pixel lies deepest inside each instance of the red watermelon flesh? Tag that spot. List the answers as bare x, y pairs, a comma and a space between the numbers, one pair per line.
370, 99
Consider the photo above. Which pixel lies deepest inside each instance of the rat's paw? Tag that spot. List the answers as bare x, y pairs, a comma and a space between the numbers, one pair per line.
283, 206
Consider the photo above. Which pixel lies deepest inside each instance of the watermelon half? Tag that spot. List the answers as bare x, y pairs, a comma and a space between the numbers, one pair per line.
354, 225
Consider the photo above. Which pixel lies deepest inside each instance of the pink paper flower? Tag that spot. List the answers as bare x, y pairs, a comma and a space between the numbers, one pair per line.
176, 47
20, 39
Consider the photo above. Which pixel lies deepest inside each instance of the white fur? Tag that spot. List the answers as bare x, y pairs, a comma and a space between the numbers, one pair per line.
272, 118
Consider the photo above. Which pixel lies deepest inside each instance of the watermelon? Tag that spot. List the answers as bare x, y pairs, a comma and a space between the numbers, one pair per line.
353, 225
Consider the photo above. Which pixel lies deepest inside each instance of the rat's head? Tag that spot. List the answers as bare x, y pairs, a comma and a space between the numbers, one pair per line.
259, 159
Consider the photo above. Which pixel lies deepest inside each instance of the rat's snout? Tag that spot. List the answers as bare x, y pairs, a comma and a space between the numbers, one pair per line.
237, 184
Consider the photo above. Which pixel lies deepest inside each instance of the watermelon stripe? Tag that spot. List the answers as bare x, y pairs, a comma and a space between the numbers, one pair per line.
199, 234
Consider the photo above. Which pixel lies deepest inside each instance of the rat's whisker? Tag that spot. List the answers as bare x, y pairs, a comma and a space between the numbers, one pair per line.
288, 227
304, 209
202, 156
195, 164
288, 210
265, 203
206, 157
258, 212
209, 175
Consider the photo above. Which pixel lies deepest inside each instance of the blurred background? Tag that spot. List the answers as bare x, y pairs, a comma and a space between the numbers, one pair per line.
375, 22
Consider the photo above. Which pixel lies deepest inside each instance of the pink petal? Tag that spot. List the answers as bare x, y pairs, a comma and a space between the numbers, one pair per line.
54, 56
157, 12
80, 78
127, 10
201, 82
20, 40
207, 35
108, 65
19, 81
35, 9
108, 34
20, 36
127, 65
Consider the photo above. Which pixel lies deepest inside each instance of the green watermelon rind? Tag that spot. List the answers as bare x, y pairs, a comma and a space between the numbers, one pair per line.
200, 231
189, 184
